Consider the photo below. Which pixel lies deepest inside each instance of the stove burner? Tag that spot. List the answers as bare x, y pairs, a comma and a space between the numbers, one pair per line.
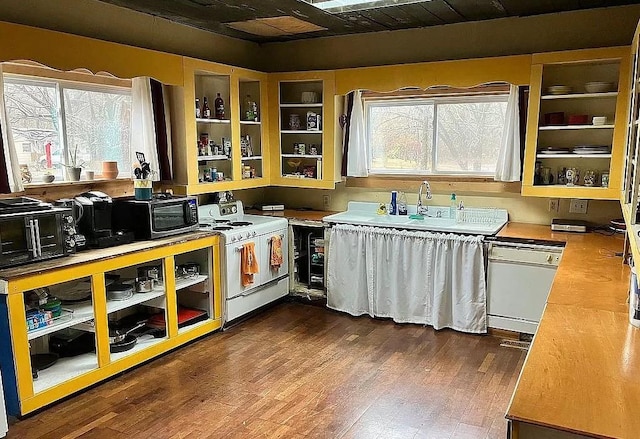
240, 223
221, 228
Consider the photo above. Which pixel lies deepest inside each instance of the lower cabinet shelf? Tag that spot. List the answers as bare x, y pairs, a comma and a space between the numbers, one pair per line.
166, 313
63, 370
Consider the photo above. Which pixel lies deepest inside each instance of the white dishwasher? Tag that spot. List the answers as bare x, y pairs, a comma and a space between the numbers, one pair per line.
519, 277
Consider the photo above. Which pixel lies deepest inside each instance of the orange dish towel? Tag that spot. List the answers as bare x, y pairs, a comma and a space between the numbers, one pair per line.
275, 259
248, 264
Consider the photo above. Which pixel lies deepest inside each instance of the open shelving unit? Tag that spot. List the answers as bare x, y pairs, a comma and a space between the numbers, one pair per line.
78, 369
574, 69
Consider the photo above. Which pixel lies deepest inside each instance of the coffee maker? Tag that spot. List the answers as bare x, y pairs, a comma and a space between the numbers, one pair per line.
95, 221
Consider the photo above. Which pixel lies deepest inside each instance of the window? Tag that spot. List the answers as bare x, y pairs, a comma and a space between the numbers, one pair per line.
56, 118
452, 135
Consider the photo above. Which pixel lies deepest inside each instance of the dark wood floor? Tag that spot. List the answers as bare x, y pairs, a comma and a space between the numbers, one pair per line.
300, 371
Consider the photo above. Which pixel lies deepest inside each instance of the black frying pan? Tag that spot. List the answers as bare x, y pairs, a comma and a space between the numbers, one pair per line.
128, 342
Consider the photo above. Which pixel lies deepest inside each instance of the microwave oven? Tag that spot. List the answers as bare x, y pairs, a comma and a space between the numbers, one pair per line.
164, 215
30, 236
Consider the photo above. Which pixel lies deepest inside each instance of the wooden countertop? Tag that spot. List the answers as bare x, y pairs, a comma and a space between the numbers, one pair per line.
96, 255
582, 372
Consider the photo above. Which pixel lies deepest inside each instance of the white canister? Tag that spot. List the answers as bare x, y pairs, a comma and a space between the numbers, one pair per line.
634, 299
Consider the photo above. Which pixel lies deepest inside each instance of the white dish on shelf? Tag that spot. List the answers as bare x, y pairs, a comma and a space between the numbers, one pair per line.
559, 89
598, 87
599, 120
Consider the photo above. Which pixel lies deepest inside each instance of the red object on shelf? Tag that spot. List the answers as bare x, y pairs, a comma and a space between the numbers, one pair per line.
47, 152
579, 119
186, 316
556, 118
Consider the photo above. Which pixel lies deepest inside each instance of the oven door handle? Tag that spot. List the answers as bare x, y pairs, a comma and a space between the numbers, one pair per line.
260, 287
36, 226
32, 233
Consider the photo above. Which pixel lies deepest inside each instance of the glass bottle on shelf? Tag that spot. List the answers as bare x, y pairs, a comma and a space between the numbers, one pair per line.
250, 109
219, 107
198, 112
206, 111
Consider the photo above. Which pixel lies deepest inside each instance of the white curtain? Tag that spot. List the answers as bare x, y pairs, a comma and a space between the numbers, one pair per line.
143, 130
412, 277
508, 166
357, 157
10, 153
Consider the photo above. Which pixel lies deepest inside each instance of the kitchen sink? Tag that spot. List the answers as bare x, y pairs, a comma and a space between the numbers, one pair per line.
476, 221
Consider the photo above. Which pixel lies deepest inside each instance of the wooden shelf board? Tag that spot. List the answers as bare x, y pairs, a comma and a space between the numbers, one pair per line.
610, 94
573, 156
255, 157
137, 298
300, 131
81, 313
206, 158
144, 342
194, 326
223, 121
65, 369
299, 105
302, 156
249, 122
575, 127
182, 283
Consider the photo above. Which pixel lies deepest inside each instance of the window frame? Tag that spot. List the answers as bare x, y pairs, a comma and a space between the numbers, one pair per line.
435, 101
60, 85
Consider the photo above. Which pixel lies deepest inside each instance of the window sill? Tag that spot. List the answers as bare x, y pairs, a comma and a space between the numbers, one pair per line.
438, 183
50, 192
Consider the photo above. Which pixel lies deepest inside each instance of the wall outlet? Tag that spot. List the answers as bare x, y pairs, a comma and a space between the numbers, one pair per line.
554, 205
578, 206
326, 201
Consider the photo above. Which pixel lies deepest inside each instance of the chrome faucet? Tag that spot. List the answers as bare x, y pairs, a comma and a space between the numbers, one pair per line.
422, 210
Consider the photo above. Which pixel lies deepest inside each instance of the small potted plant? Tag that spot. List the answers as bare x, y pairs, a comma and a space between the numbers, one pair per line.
74, 168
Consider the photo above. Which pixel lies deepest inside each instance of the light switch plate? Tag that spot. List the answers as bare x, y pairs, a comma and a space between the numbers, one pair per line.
326, 201
578, 206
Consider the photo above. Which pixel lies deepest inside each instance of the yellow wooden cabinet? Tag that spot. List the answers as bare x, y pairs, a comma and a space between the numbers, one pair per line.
562, 90
236, 149
302, 130
90, 309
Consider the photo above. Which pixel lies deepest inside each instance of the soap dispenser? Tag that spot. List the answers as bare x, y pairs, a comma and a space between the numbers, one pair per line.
402, 204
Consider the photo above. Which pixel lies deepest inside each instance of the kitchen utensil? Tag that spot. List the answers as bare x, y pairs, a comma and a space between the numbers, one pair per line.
150, 271
115, 336
119, 291
144, 284
127, 343
598, 87
188, 269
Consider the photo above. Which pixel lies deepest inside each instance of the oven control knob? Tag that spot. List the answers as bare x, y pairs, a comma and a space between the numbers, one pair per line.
254, 233
70, 242
234, 209
68, 219
234, 238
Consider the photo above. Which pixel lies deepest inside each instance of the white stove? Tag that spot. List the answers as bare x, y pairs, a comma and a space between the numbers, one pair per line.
238, 229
